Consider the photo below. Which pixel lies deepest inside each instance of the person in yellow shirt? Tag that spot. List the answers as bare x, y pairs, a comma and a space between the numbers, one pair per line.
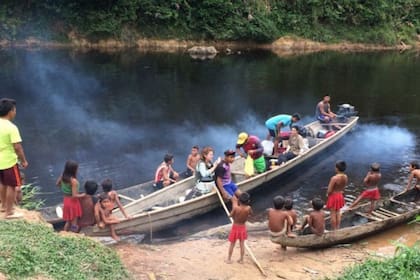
11, 153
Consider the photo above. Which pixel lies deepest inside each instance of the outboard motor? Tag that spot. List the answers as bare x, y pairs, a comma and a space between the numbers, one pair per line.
345, 111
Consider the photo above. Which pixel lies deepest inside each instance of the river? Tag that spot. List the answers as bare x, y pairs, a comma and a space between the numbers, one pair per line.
118, 113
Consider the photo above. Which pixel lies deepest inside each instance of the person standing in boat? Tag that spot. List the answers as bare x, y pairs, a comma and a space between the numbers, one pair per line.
252, 147
205, 170
165, 175
414, 174
335, 198
192, 161
274, 126
371, 181
323, 111
227, 188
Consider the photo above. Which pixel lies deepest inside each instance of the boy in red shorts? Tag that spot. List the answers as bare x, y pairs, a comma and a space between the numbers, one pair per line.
371, 182
335, 198
11, 153
239, 214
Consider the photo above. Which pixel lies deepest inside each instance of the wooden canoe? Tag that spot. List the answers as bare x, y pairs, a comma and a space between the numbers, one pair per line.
166, 207
356, 224
126, 195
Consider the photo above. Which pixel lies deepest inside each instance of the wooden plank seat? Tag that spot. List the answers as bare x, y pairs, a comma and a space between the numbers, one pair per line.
370, 217
379, 215
384, 213
390, 212
348, 199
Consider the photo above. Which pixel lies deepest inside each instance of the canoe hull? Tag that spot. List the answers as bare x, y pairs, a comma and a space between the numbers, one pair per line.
349, 234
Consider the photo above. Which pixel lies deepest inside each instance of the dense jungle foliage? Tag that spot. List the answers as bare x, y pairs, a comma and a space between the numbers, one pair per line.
378, 21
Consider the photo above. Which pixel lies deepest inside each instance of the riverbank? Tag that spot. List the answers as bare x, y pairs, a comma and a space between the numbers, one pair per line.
204, 258
284, 46
203, 255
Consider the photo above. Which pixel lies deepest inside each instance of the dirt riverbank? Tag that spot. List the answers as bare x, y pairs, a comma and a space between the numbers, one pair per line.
204, 258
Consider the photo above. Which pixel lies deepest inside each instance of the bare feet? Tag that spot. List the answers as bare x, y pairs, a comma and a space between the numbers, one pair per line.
115, 237
14, 216
241, 261
291, 235
228, 261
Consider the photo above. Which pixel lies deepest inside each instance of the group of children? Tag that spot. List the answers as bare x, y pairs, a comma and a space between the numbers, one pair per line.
87, 209
282, 219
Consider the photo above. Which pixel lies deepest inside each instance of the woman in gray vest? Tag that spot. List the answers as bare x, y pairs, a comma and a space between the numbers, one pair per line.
205, 170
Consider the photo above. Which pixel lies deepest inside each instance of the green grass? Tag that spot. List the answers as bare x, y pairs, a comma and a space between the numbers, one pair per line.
29, 200
405, 265
28, 249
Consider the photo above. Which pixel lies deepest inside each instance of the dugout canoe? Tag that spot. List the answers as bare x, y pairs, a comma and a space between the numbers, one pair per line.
357, 224
168, 206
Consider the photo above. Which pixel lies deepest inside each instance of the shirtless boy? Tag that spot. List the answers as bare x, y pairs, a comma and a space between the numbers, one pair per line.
278, 220
113, 196
335, 198
414, 174
315, 221
371, 182
192, 160
103, 210
88, 203
165, 175
288, 208
239, 214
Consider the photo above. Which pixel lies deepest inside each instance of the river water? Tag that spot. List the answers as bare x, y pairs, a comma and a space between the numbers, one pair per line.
118, 113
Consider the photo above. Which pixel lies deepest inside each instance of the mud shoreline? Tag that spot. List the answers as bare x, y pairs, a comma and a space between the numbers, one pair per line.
284, 46
203, 255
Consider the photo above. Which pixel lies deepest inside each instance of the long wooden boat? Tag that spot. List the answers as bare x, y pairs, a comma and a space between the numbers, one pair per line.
357, 224
126, 196
168, 206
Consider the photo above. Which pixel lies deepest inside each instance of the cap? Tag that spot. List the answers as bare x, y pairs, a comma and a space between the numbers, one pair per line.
242, 138
229, 152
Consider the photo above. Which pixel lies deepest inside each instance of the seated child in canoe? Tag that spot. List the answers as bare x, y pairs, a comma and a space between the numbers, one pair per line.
288, 208
279, 221
113, 196
103, 214
315, 221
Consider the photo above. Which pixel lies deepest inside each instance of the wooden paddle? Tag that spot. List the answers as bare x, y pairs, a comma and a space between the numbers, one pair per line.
248, 250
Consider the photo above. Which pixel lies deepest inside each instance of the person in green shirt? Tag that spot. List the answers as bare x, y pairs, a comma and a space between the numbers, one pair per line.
11, 153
